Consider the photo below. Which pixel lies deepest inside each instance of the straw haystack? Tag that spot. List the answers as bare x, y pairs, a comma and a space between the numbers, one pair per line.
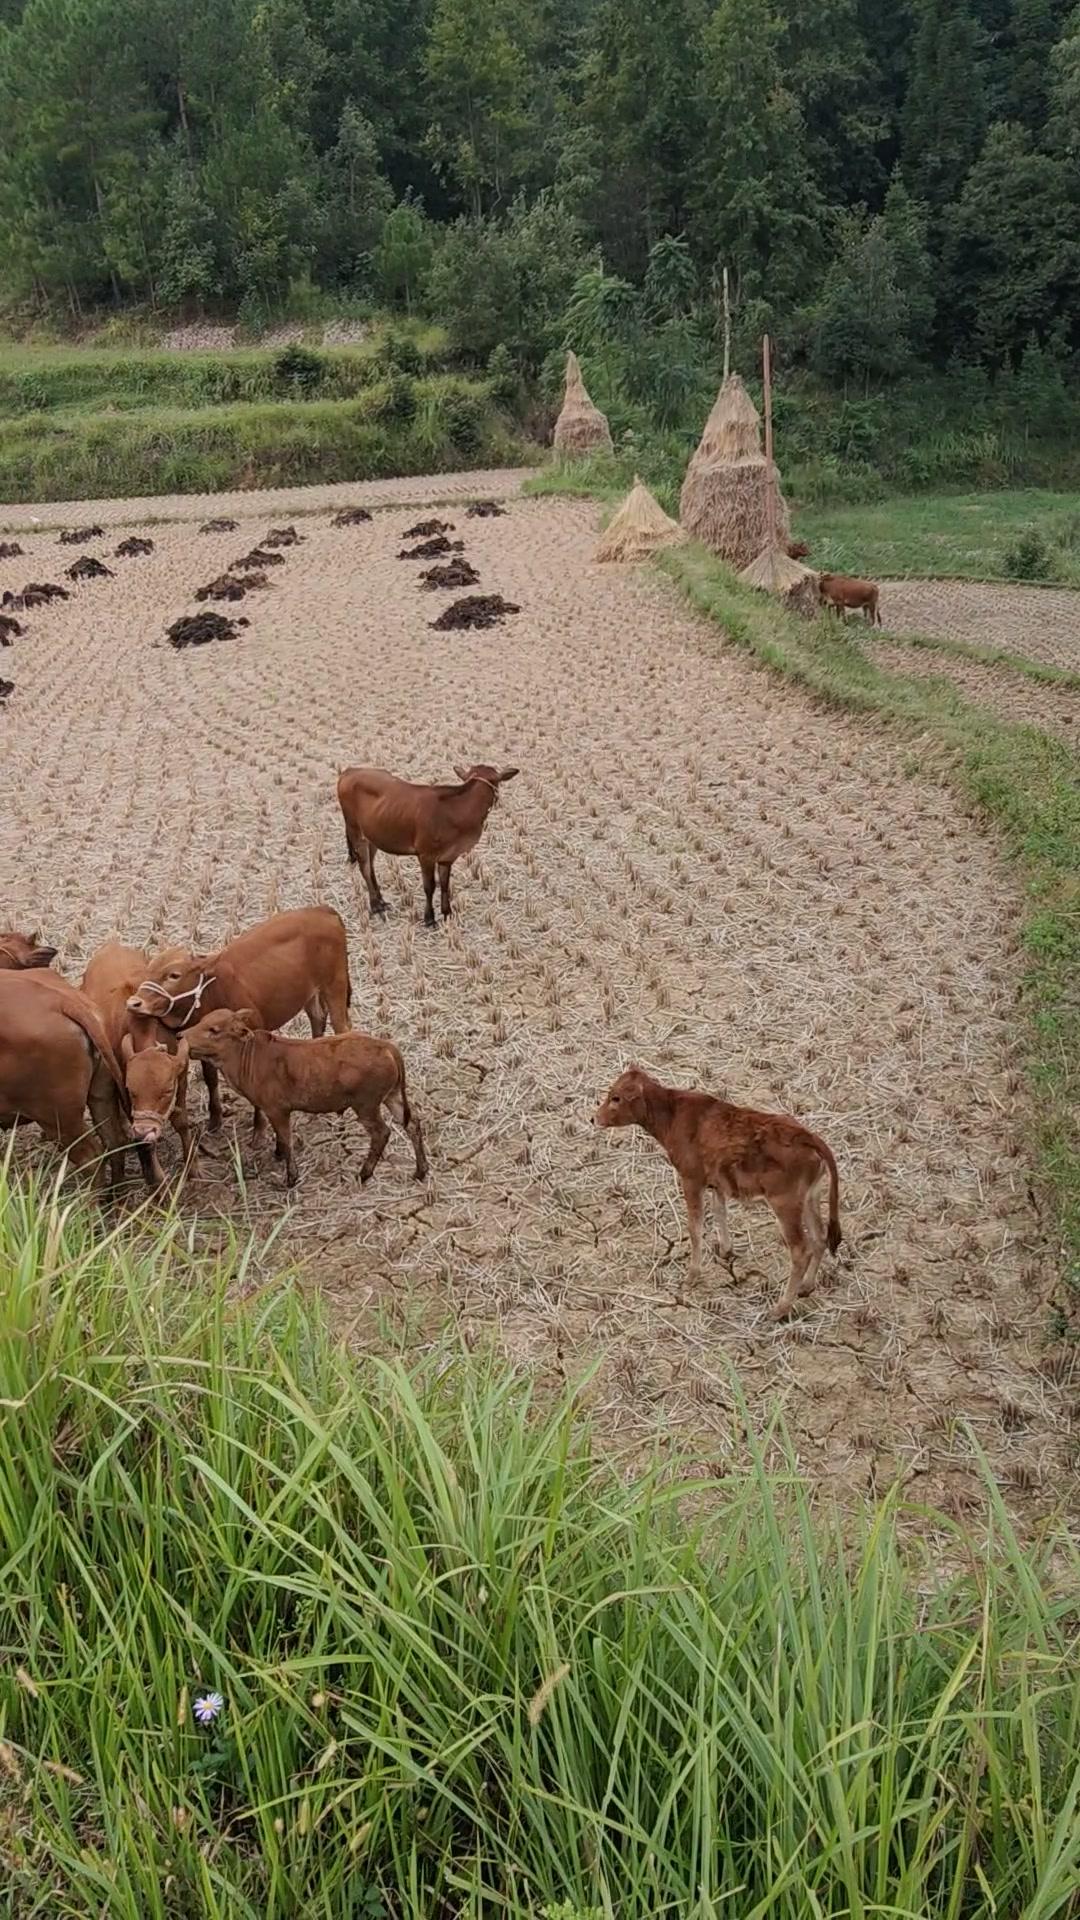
774, 572
580, 427
640, 527
725, 494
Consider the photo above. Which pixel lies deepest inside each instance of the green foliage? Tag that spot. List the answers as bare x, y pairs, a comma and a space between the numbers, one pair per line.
465, 1666
403, 255
1012, 251
1028, 558
392, 426
298, 369
507, 282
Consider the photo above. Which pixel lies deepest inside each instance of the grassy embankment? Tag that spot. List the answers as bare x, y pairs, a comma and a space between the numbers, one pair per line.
465, 1670
1016, 776
91, 423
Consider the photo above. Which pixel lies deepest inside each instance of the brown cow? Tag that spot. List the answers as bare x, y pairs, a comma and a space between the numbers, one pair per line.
55, 1062
436, 823
797, 549
155, 1060
737, 1154
282, 1077
844, 594
294, 962
19, 950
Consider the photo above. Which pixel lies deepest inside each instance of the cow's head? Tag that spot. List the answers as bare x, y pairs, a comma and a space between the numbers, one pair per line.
624, 1103
492, 777
797, 549
172, 992
218, 1032
153, 1079
18, 950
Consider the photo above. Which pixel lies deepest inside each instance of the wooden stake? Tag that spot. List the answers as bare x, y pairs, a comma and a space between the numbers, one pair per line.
770, 470
727, 328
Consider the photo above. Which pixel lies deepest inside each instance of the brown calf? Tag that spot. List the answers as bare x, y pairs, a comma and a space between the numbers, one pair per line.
282, 1077
737, 1154
18, 950
154, 1060
436, 823
55, 1062
797, 549
844, 595
295, 962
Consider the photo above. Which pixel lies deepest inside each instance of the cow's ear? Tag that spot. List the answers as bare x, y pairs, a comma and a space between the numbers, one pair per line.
462, 773
250, 1018
43, 956
127, 1048
509, 773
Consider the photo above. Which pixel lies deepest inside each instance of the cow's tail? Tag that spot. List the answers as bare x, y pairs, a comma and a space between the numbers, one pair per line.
825, 1152
398, 1099
89, 1020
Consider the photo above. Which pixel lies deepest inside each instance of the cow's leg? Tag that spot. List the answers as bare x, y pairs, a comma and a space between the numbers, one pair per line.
103, 1101
427, 868
378, 1134
789, 1212
181, 1122
258, 1128
723, 1232
336, 998
692, 1192
283, 1147
213, 1094
68, 1131
316, 1013
444, 887
365, 854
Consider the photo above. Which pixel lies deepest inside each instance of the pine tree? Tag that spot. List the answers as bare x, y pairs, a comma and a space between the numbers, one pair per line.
945, 109
757, 206
1012, 252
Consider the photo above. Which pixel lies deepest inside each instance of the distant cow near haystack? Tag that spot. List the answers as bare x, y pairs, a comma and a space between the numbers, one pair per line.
736, 1154
843, 594
437, 824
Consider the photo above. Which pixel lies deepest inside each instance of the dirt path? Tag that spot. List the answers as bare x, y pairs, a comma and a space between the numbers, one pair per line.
695, 869
500, 483
1041, 622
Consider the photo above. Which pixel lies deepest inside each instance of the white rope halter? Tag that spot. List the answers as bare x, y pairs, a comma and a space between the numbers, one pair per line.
194, 994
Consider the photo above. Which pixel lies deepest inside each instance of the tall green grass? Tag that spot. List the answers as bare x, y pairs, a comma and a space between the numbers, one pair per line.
393, 427
466, 1670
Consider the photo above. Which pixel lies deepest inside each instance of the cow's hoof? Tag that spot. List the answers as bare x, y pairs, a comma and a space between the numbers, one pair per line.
379, 909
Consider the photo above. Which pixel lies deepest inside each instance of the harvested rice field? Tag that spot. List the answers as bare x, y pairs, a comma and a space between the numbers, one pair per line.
696, 869
1041, 622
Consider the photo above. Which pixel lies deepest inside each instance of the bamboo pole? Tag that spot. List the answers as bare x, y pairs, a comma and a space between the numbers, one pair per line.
770, 470
727, 328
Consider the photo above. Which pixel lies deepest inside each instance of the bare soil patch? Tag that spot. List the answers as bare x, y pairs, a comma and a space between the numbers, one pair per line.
698, 870
1041, 622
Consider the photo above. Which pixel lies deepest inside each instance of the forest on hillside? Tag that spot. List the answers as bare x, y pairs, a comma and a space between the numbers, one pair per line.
889, 186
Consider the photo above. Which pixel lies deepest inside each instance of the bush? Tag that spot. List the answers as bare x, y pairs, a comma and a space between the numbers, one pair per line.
298, 369
1028, 557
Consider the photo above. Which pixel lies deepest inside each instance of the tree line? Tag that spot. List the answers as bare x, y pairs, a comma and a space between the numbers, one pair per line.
886, 185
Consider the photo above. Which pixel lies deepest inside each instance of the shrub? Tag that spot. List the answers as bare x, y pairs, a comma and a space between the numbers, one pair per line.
297, 369
1028, 557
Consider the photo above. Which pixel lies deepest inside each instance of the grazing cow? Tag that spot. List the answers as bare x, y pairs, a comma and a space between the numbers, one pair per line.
154, 1059
295, 962
844, 594
55, 1062
18, 950
797, 549
737, 1154
436, 823
282, 1077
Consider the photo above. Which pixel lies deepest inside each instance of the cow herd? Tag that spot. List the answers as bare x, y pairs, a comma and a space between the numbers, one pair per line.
119, 1046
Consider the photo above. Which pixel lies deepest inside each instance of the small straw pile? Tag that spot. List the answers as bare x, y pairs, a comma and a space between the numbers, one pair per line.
725, 495
640, 528
580, 427
774, 570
